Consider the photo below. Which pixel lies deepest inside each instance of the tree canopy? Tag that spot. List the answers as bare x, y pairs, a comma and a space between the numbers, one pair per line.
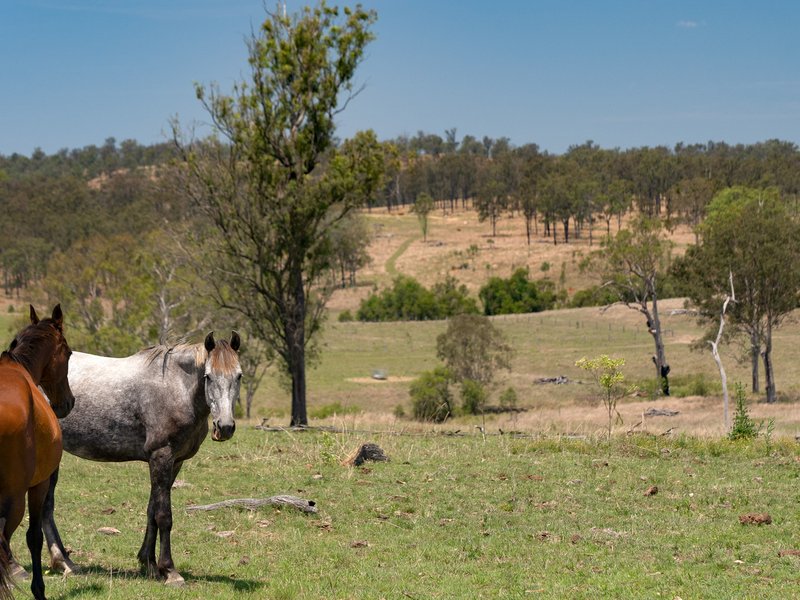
274, 182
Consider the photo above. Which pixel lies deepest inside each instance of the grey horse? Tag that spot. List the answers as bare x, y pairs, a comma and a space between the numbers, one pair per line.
154, 407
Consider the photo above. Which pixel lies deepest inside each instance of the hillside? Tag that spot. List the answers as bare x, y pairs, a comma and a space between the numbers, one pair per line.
397, 248
546, 344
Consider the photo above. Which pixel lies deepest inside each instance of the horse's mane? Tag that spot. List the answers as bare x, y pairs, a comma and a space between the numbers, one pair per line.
23, 347
223, 358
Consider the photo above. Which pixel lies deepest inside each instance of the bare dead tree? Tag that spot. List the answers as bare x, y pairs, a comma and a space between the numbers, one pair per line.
715, 351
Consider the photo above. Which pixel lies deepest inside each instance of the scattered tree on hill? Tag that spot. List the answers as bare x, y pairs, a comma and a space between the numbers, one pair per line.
273, 181
633, 263
349, 240
756, 236
423, 207
473, 349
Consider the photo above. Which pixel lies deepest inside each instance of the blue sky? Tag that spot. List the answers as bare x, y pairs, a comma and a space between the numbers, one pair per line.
623, 73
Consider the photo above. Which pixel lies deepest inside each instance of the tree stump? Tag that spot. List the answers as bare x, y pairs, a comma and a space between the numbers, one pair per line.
363, 453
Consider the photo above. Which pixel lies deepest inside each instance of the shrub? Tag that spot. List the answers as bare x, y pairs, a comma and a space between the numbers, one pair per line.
744, 428
697, 384
593, 296
473, 348
473, 397
508, 399
517, 294
345, 316
408, 300
431, 398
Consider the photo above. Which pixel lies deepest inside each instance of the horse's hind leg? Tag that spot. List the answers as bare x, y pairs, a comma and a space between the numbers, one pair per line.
59, 558
15, 512
34, 536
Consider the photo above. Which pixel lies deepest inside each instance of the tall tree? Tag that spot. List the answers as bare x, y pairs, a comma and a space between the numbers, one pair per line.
754, 235
634, 261
274, 182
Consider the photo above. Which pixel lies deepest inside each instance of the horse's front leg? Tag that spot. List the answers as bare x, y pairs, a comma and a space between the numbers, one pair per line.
34, 536
59, 558
159, 517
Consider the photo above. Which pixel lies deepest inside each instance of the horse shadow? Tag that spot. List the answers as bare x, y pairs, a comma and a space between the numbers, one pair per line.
94, 588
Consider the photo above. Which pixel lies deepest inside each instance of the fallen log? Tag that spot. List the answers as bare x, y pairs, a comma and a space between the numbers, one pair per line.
308, 506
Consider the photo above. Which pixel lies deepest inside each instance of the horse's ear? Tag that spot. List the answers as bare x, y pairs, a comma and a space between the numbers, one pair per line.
58, 317
210, 343
236, 341
34, 318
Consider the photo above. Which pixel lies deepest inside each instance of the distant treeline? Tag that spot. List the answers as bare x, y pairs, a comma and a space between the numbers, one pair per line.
50, 202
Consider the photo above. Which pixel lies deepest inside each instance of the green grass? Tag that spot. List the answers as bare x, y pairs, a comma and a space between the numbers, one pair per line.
391, 262
545, 344
448, 517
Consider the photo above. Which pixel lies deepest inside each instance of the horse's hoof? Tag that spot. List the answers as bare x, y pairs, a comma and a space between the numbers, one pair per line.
174, 579
16, 571
60, 563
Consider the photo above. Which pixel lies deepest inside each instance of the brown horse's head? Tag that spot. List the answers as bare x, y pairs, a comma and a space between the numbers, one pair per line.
43, 350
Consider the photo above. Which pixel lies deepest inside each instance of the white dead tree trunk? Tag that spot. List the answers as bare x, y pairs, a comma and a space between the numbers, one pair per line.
715, 351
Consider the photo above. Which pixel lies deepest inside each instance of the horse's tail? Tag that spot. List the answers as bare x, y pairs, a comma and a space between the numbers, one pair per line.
6, 583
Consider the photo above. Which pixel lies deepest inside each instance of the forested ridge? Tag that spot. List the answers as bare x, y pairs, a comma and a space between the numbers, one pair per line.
107, 230
54, 201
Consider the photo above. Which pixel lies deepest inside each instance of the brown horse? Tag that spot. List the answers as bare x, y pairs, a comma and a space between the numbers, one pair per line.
30, 436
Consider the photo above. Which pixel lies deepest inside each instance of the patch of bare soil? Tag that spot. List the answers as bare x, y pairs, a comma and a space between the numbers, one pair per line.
387, 379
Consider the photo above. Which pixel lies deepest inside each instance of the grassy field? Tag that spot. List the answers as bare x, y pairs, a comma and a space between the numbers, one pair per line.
553, 510
546, 345
448, 517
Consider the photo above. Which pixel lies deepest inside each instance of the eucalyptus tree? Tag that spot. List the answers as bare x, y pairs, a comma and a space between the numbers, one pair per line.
755, 236
632, 263
492, 196
273, 181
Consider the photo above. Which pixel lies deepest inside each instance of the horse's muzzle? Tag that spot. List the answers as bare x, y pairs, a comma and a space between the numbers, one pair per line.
63, 408
221, 433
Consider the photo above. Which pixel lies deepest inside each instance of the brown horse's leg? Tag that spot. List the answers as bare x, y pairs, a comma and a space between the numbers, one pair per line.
34, 536
59, 559
16, 510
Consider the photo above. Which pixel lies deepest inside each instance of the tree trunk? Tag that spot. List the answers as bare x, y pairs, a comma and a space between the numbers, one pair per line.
755, 352
768, 371
249, 401
296, 334
660, 358
528, 230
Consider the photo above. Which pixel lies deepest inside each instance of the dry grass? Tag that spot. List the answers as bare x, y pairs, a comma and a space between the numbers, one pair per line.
445, 253
546, 344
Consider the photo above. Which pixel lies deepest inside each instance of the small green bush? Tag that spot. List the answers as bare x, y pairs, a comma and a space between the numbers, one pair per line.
508, 399
345, 316
408, 300
473, 397
431, 397
696, 384
744, 428
517, 295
